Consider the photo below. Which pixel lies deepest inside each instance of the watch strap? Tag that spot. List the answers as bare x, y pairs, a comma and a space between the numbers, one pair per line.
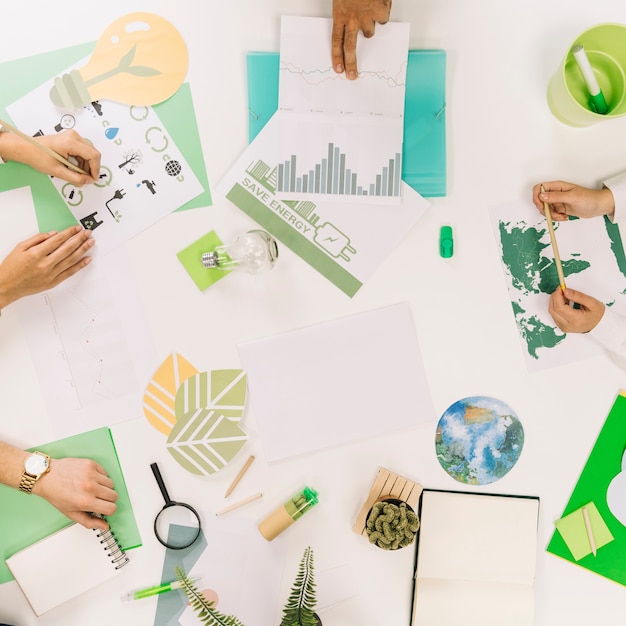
27, 483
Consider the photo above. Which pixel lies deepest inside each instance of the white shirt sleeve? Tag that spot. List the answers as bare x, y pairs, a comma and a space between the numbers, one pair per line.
610, 333
617, 185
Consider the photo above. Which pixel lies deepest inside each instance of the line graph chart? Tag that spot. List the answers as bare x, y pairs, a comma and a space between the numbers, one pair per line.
309, 83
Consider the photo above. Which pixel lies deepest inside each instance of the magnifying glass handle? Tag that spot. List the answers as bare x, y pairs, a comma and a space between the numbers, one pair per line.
159, 479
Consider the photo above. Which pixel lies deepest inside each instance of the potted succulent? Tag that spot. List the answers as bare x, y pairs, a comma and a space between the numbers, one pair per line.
300, 607
391, 524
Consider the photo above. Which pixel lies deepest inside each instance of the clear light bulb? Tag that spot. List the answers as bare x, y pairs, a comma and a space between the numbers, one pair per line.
254, 252
140, 59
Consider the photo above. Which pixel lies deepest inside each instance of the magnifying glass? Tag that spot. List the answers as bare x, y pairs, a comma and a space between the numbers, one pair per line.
183, 516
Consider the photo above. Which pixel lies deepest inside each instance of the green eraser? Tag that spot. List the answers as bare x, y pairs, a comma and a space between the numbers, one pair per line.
446, 242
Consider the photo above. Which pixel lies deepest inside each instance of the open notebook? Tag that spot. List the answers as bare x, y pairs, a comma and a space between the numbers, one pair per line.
66, 564
26, 519
476, 558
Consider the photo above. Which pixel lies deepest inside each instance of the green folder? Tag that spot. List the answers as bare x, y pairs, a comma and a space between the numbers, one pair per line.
424, 149
21, 76
25, 519
604, 463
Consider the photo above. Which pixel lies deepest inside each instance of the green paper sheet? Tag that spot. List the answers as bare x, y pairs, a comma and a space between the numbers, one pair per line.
25, 519
603, 465
21, 76
191, 257
574, 531
424, 148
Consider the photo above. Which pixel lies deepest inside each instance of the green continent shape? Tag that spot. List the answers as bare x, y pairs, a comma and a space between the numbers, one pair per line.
617, 247
530, 271
536, 334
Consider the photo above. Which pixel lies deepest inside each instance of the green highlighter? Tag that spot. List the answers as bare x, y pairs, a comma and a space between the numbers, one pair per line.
156, 590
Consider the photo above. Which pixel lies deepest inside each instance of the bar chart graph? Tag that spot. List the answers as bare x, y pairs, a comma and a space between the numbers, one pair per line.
332, 176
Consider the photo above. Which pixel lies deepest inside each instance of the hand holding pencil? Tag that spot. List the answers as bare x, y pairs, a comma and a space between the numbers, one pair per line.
567, 199
65, 155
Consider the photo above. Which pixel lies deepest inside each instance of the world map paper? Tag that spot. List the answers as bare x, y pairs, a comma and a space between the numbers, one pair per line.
593, 262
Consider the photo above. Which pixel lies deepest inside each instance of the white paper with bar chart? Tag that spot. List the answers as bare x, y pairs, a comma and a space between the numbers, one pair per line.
338, 137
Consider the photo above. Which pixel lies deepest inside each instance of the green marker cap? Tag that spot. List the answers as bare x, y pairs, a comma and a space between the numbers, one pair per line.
599, 104
446, 242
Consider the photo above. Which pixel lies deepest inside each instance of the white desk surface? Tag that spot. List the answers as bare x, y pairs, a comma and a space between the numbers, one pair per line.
502, 138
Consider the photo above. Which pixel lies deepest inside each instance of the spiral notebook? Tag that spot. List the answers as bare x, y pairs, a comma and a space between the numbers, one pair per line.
65, 565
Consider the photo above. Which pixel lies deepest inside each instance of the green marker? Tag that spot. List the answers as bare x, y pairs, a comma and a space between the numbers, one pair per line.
156, 590
598, 103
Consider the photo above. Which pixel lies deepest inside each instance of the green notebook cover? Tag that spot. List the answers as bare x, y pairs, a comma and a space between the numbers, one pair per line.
21, 76
424, 149
25, 519
604, 463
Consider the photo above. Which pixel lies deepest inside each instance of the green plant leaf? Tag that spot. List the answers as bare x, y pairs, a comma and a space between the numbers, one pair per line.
300, 607
127, 59
222, 390
208, 409
205, 610
142, 70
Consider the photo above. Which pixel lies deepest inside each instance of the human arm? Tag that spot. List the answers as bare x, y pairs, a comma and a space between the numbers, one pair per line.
565, 199
42, 262
350, 17
610, 333
67, 143
76, 487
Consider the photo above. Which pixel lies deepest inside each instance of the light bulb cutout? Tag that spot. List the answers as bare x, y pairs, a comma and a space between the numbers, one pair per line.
140, 59
254, 252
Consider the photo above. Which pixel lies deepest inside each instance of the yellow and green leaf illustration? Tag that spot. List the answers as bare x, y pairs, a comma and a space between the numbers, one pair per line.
208, 407
160, 395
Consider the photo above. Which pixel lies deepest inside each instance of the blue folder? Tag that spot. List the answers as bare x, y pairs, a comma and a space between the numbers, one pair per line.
424, 149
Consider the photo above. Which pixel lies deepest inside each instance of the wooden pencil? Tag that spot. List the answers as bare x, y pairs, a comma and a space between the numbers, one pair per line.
239, 476
239, 504
555, 248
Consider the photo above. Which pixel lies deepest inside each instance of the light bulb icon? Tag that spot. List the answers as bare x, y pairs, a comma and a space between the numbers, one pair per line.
140, 59
254, 252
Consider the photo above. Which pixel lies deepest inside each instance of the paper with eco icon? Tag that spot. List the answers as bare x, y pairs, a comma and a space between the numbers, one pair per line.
199, 412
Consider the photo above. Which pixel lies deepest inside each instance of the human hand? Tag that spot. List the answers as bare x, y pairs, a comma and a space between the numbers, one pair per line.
67, 143
77, 488
566, 199
575, 320
350, 17
42, 262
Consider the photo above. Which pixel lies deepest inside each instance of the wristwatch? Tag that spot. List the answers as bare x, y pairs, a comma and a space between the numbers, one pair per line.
35, 466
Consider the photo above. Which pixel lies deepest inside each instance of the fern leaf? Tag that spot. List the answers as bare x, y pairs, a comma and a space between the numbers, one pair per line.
300, 607
204, 608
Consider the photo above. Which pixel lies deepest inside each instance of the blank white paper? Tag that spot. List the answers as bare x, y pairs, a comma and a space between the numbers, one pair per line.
341, 381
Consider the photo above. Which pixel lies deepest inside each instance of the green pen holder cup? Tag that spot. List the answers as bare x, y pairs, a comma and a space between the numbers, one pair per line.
568, 96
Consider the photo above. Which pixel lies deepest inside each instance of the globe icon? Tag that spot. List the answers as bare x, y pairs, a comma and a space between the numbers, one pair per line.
173, 168
478, 440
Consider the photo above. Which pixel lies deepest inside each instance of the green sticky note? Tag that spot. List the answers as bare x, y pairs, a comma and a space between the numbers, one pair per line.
574, 531
191, 257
